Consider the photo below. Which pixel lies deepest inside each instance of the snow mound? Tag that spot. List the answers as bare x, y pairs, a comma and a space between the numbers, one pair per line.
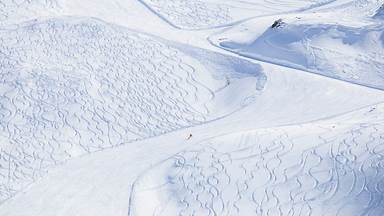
74, 86
197, 14
353, 54
324, 168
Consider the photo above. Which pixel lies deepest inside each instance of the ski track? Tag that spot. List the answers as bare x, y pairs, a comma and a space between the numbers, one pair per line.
77, 86
74, 86
364, 68
12, 11
189, 14
323, 168
197, 14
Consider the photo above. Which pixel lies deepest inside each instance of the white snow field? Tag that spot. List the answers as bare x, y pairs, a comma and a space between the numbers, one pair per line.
331, 167
198, 14
14, 11
191, 107
379, 13
76, 86
351, 50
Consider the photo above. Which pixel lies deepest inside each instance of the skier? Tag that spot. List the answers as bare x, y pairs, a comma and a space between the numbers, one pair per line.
189, 137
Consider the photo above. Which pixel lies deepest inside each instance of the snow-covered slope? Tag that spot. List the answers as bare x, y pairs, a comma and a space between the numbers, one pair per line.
100, 183
75, 86
353, 53
331, 167
194, 107
197, 14
380, 13
12, 12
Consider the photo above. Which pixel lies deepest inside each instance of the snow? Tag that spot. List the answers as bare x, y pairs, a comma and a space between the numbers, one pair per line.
352, 53
12, 12
98, 99
199, 14
294, 169
379, 13
101, 86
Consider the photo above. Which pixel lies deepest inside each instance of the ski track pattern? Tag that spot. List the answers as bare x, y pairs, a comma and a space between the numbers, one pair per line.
316, 169
13, 10
190, 14
364, 68
197, 14
74, 87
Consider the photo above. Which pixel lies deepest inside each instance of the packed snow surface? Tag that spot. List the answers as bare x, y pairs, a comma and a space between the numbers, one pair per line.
191, 107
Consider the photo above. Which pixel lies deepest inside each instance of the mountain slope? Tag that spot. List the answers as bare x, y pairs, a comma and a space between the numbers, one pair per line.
347, 51
197, 14
76, 86
193, 107
290, 170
